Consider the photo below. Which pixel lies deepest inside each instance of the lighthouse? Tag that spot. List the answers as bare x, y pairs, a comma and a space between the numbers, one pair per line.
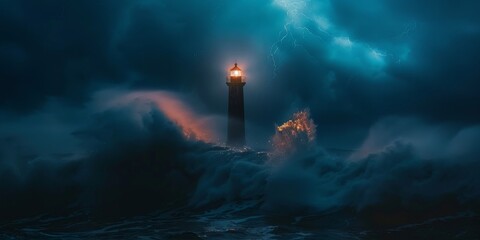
236, 113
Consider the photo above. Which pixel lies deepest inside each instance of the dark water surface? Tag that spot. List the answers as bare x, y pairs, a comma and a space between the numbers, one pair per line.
235, 222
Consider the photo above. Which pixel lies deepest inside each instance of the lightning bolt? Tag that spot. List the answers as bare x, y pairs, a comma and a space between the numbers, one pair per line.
295, 23
293, 9
300, 23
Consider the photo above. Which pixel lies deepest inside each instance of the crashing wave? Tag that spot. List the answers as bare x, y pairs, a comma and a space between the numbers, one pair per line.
297, 133
140, 162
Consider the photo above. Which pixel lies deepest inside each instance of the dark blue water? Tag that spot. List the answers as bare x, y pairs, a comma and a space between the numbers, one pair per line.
235, 222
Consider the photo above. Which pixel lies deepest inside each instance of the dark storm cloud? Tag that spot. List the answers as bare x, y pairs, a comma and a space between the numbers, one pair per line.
351, 63
51, 48
438, 76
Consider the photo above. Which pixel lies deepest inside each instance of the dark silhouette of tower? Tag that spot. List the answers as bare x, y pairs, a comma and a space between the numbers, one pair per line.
236, 114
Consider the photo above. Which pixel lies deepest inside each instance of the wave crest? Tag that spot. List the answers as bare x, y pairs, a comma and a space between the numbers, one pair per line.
297, 133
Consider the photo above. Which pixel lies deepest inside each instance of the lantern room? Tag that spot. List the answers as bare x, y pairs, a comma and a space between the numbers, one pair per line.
235, 71
236, 74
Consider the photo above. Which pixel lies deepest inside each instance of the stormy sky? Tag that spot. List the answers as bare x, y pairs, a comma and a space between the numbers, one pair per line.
352, 63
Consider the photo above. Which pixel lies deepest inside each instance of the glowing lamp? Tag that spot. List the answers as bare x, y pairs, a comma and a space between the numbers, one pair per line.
235, 71
235, 75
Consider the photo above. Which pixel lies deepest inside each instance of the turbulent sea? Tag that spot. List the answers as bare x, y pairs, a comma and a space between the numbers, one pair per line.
243, 196
141, 178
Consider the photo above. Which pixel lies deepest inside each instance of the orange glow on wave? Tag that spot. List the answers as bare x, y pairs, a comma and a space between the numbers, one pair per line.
295, 133
175, 109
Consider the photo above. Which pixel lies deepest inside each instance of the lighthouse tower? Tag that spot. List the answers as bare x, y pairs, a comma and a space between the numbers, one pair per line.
236, 114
